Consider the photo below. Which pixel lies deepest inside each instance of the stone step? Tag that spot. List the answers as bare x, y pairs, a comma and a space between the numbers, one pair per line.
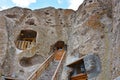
48, 73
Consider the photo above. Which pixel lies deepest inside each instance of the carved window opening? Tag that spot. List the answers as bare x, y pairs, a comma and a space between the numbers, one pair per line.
90, 1
26, 39
77, 70
59, 47
86, 67
30, 22
11, 15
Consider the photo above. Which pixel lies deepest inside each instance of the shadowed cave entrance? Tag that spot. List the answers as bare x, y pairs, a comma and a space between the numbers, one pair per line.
26, 39
59, 45
57, 48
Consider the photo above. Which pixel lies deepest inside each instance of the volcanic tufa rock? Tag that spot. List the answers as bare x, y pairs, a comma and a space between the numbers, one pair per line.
27, 36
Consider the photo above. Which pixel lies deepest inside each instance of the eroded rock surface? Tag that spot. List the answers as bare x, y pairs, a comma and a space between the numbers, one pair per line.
93, 28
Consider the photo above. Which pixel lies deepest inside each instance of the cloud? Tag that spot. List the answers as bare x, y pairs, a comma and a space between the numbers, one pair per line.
23, 3
74, 4
3, 7
59, 1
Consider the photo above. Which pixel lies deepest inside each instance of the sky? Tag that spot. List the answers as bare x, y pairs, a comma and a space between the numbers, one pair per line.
37, 4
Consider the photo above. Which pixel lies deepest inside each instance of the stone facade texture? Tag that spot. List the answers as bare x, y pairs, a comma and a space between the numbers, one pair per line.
93, 28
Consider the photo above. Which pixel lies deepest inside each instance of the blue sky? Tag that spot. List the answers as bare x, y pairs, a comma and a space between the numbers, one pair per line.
37, 4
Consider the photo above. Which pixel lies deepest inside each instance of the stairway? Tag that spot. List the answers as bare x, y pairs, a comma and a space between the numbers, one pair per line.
48, 73
49, 69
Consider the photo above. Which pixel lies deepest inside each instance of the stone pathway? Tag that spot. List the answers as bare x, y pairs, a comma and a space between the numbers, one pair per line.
48, 73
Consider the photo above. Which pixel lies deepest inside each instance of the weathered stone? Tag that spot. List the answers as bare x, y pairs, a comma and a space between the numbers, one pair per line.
93, 28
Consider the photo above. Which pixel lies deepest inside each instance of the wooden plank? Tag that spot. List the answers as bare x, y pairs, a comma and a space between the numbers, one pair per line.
22, 45
11, 78
25, 44
16, 43
75, 62
79, 77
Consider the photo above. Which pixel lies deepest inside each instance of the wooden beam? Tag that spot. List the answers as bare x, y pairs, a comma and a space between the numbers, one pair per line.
75, 62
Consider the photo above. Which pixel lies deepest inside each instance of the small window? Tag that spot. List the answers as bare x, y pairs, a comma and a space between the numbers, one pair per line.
26, 39
85, 68
78, 70
90, 1
59, 45
30, 22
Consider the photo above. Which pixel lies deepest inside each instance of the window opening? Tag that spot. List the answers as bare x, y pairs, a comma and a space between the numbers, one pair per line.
26, 39
78, 71
59, 47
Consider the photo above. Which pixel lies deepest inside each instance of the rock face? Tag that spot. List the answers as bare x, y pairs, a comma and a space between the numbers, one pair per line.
17, 24
93, 28
92, 33
116, 42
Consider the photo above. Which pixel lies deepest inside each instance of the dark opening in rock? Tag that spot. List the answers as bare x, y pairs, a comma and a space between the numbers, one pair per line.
27, 35
46, 13
59, 45
77, 69
30, 22
25, 39
11, 16
102, 36
90, 1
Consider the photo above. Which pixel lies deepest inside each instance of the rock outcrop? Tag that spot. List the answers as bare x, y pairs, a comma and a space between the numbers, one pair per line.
93, 28
50, 24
